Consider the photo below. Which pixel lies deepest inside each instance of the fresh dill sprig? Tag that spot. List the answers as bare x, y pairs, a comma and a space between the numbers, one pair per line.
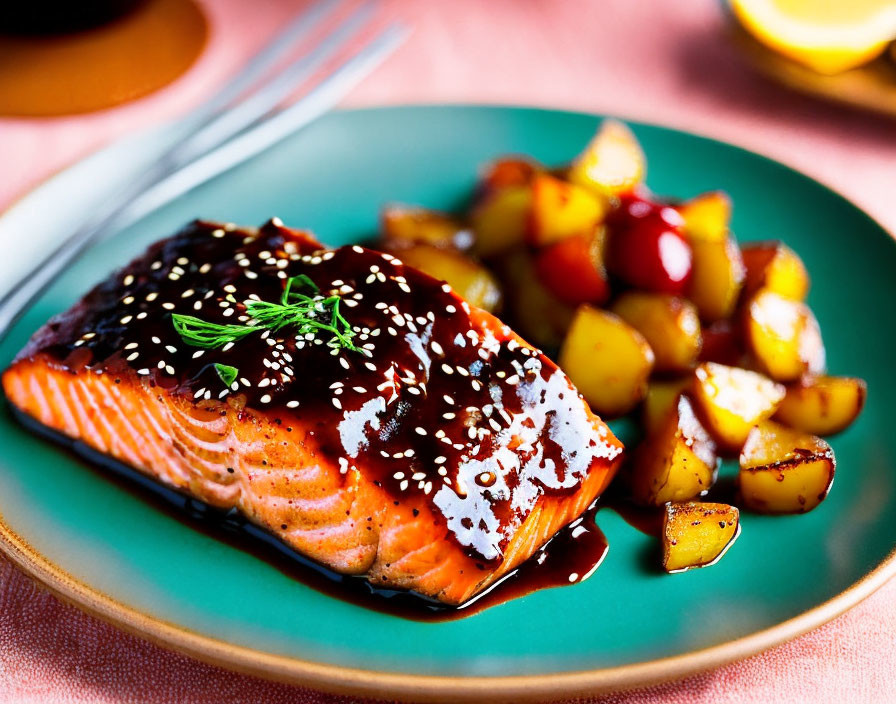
227, 373
308, 314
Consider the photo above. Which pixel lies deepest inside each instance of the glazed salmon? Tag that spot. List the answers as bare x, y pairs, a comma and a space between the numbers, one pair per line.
354, 407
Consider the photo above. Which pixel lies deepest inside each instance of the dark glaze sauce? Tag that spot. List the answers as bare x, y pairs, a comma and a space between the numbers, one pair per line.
438, 406
570, 557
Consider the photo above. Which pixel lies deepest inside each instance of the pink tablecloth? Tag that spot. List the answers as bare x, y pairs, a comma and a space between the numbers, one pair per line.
658, 61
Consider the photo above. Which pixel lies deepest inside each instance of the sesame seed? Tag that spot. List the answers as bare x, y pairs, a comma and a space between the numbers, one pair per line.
265, 399
143, 372
126, 319
198, 353
447, 369
337, 403
218, 233
292, 404
446, 288
128, 280
449, 416
152, 296
168, 306
130, 345
404, 485
448, 399
356, 248
436, 347
169, 369
171, 348
131, 357
513, 380
420, 431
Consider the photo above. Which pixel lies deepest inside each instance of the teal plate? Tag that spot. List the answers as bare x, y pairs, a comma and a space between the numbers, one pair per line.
103, 548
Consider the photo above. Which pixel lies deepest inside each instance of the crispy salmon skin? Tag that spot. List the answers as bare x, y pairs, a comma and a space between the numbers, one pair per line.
354, 407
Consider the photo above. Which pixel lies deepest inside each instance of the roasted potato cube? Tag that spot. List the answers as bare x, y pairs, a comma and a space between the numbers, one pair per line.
697, 534
662, 397
612, 163
411, 224
468, 278
707, 217
536, 313
607, 359
500, 219
670, 325
573, 269
732, 400
822, 405
717, 276
783, 336
784, 470
676, 462
775, 267
561, 209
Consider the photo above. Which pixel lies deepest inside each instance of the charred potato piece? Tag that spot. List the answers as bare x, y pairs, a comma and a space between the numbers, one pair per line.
721, 343
607, 359
573, 269
662, 397
775, 267
822, 405
507, 171
500, 219
783, 336
676, 462
670, 325
561, 209
707, 216
612, 163
784, 470
410, 224
468, 278
697, 534
536, 313
732, 400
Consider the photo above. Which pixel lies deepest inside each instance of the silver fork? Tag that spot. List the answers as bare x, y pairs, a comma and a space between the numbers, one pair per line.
214, 139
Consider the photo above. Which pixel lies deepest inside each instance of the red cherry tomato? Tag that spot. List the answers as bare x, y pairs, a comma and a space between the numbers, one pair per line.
646, 247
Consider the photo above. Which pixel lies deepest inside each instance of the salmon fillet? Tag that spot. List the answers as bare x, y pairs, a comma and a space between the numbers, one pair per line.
428, 448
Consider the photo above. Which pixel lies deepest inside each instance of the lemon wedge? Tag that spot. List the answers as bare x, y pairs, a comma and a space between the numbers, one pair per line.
828, 36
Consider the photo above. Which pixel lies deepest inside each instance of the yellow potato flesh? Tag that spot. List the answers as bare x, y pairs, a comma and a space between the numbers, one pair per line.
670, 325
783, 336
408, 224
535, 312
607, 359
612, 163
707, 217
697, 534
717, 276
561, 210
784, 470
660, 400
773, 266
501, 219
469, 279
675, 463
822, 405
733, 400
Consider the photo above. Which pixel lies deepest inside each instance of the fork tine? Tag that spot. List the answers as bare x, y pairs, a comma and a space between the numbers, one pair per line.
265, 58
269, 96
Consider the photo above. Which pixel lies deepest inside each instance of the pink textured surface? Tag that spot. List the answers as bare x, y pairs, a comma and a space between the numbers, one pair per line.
665, 62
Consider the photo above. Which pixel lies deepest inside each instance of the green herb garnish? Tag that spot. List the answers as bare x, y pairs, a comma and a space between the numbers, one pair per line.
309, 314
227, 373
